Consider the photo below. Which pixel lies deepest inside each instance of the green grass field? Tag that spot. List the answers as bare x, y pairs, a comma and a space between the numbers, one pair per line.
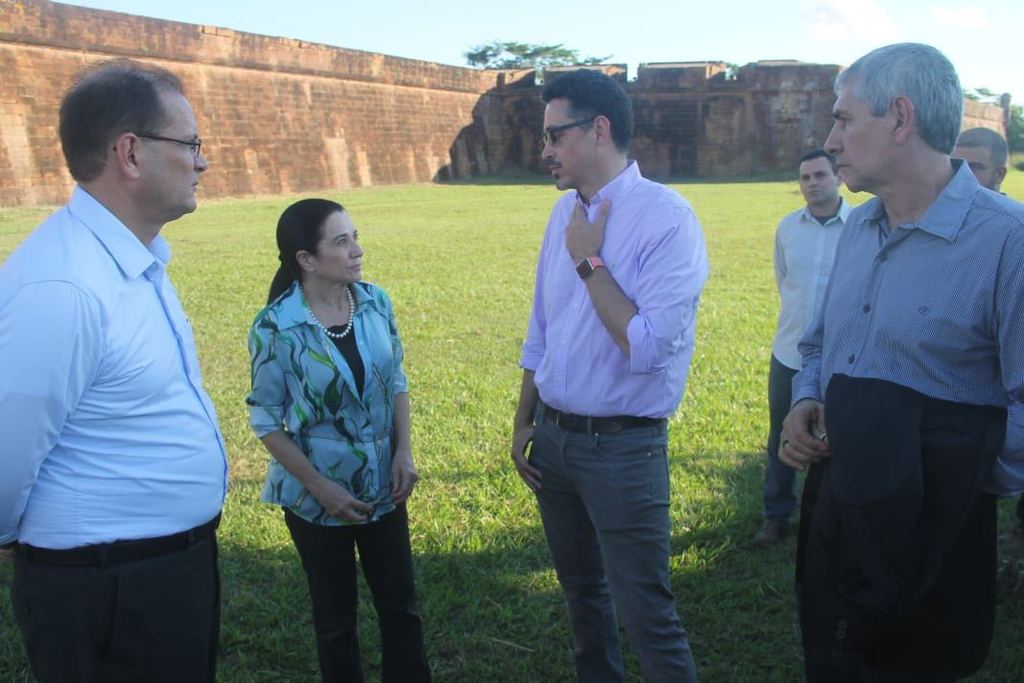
459, 261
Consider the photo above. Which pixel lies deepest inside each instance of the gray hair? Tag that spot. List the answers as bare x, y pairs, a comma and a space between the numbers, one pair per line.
918, 72
983, 137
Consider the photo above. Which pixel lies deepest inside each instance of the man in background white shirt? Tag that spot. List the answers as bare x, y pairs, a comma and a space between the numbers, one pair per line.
805, 244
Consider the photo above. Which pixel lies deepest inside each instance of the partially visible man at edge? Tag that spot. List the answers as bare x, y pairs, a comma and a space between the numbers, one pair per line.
900, 405
805, 246
605, 360
114, 469
986, 152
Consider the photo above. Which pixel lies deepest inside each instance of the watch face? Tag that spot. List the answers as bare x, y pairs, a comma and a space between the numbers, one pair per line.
584, 268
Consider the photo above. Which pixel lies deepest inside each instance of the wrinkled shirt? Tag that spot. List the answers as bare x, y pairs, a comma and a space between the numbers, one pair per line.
804, 251
654, 249
302, 384
108, 433
936, 306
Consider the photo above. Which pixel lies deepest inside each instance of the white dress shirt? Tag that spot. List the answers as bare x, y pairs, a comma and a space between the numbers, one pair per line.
804, 251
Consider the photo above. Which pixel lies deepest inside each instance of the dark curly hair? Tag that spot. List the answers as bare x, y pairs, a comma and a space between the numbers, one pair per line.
592, 93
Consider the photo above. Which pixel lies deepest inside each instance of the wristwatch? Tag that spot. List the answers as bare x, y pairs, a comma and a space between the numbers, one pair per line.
587, 266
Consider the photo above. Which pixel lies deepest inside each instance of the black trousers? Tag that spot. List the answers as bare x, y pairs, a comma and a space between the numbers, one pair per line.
896, 555
155, 619
328, 557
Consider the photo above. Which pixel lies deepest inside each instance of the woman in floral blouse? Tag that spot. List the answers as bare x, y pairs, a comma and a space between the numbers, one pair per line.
330, 402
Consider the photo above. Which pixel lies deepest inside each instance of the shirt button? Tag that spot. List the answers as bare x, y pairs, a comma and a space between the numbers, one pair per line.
849, 359
867, 308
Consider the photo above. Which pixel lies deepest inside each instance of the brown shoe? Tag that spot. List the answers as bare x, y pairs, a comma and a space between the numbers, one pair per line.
771, 532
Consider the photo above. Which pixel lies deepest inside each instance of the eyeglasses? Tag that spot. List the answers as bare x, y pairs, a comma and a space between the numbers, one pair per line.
550, 136
196, 145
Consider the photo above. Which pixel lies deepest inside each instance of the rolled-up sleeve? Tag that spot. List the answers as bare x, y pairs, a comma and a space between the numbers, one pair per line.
51, 344
534, 344
266, 401
672, 270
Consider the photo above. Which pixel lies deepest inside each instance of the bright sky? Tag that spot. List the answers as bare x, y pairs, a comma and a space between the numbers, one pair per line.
980, 38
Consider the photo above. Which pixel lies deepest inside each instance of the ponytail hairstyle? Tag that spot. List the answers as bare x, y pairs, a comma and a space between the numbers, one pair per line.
300, 228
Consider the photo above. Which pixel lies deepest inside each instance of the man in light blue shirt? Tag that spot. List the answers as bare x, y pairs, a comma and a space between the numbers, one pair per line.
917, 351
114, 467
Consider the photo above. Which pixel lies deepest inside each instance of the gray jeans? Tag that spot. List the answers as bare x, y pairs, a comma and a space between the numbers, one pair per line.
604, 504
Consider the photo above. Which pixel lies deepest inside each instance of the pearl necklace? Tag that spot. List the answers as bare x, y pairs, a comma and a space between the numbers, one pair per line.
351, 315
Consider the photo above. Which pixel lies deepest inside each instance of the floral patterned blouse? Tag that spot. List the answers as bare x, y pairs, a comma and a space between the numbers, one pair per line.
302, 384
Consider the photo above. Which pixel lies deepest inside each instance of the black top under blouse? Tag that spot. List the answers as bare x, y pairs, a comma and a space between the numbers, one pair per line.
347, 347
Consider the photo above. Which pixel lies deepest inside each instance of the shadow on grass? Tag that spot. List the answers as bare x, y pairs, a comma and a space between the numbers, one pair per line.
495, 613
488, 615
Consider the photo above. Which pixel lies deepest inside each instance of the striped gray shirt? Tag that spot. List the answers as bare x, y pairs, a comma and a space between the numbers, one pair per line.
937, 306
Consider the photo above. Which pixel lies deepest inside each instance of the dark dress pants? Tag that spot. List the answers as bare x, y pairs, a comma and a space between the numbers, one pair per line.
896, 554
328, 557
149, 620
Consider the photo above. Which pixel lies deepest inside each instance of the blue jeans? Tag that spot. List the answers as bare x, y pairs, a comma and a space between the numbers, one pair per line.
604, 504
779, 479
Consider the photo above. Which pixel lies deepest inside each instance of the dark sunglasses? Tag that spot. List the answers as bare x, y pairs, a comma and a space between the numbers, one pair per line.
551, 133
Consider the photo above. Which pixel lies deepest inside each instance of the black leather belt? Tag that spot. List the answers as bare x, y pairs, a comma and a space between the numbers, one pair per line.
120, 551
599, 425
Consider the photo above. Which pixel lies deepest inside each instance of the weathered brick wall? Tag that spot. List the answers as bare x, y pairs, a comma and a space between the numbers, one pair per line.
692, 121
979, 115
280, 115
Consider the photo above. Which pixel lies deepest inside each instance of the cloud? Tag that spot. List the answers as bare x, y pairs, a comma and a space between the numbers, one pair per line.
961, 17
835, 21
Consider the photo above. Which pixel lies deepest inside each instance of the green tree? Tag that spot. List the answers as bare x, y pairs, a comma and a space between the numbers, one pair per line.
499, 54
981, 95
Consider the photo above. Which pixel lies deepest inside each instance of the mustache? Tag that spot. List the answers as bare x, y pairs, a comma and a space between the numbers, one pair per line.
552, 164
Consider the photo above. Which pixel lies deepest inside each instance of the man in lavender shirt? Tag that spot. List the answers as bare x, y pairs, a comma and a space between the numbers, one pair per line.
605, 360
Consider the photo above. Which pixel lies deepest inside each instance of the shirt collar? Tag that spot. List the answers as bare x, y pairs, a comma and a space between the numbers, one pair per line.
945, 217
844, 210
842, 214
129, 253
292, 309
617, 187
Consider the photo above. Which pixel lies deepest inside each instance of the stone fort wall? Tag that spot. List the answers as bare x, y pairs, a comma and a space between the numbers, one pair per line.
284, 116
